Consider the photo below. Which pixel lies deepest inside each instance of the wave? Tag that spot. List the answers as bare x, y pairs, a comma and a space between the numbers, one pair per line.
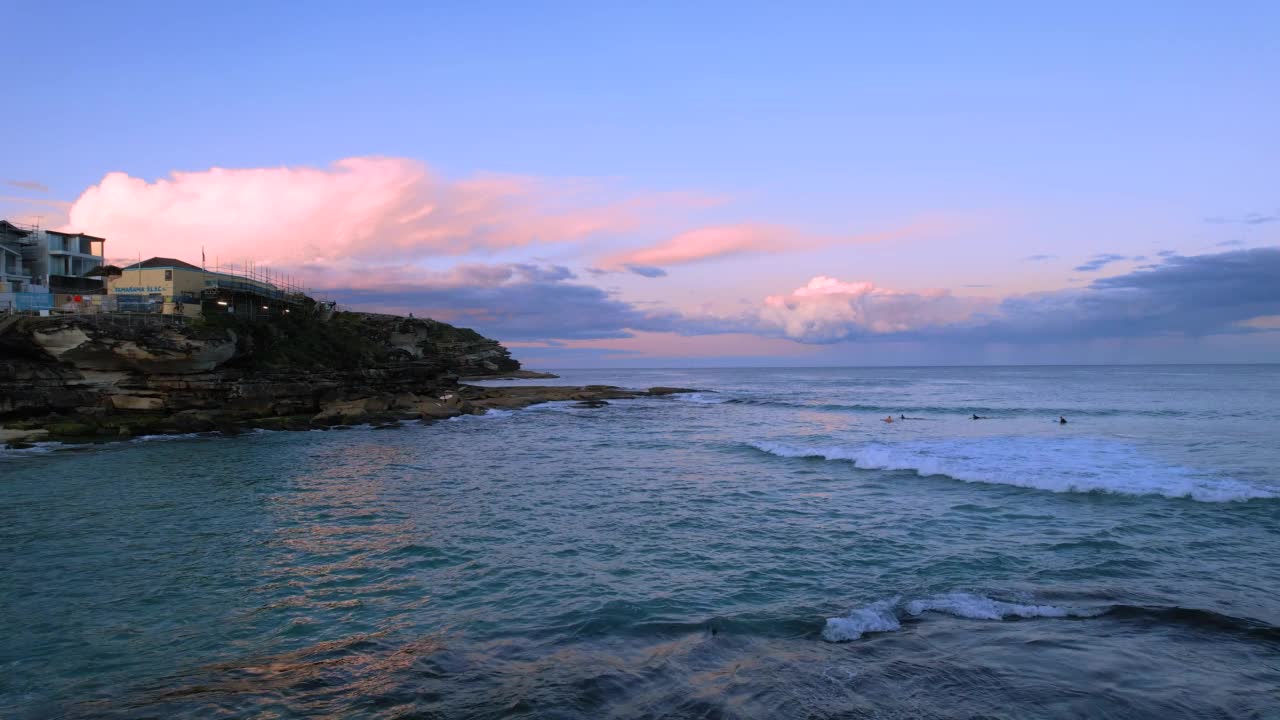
704, 398
957, 410
489, 414
1062, 465
888, 615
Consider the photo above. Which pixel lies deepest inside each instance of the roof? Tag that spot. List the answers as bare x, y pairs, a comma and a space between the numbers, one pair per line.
11, 229
71, 234
162, 262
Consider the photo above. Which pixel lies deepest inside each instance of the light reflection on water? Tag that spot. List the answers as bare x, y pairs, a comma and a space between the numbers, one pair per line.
641, 560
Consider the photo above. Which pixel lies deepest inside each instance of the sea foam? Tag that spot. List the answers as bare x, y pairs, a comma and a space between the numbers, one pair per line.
1057, 465
885, 615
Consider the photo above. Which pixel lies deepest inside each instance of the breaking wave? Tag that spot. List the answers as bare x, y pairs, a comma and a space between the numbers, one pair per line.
888, 615
1058, 465
885, 615
704, 398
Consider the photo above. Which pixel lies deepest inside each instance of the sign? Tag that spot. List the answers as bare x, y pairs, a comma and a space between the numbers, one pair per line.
209, 293
137, 289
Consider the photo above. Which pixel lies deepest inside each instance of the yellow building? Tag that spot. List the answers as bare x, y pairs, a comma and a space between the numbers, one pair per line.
174, 287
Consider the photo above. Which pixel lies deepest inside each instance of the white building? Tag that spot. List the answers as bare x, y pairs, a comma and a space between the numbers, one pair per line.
64, 258
47, 261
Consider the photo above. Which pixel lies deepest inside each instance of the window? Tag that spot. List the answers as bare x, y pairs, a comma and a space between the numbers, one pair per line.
168, 275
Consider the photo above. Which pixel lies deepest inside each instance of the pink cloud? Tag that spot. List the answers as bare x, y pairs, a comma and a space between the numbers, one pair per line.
363, 209
726, 240
827, 309
707, 242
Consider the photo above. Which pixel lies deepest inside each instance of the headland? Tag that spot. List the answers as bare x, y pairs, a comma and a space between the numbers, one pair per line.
114, 376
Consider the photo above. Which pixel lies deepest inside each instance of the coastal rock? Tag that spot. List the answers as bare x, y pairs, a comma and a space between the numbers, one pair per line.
84, 377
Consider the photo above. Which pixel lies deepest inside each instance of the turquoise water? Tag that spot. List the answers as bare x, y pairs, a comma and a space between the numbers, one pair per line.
771, 549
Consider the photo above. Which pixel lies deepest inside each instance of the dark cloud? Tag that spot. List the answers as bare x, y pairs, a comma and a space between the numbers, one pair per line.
1187, 296
648, 271
1097, 262
1182, 296
1040, 258
1166, 253
1253, 218
540, 274
513, 302
1197, 295
28, 185
1230, 243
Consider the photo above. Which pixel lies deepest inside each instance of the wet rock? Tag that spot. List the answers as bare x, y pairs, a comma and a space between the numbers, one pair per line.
658, 391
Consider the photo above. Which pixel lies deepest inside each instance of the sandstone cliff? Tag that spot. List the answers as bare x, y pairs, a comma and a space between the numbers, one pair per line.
104, 376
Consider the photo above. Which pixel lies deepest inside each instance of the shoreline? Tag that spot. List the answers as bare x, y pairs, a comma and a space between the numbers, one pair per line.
378, 412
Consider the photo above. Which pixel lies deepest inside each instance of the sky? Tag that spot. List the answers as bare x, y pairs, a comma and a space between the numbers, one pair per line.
671, 186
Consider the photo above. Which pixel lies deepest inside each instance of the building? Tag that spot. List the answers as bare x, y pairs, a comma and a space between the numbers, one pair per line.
173, 287
15, 276
67, 257
47, 268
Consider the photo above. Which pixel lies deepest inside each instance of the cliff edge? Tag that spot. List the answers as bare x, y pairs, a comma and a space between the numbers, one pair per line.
83, 377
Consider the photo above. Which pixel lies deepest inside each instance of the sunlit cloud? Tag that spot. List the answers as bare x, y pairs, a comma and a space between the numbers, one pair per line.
363, 209
723, 241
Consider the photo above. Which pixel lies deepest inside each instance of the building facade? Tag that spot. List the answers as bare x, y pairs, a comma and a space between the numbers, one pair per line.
174, 287
65, 258
15, 274
36, 263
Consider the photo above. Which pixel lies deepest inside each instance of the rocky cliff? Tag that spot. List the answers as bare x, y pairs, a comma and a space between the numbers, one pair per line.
112, 376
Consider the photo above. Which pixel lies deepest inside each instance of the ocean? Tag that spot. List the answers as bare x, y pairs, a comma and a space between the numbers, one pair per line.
767, 548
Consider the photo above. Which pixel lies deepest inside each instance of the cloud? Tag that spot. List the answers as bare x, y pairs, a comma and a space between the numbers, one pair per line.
1229, 243
648, 271
362, 209
1186, 296
1253, 218
718, 241
516, 302
31, 185
45, 212
829, 310
1193, 296
708, 242
1097, 262
1040, 258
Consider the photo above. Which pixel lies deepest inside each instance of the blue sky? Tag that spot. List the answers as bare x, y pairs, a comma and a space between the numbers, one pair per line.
963, 139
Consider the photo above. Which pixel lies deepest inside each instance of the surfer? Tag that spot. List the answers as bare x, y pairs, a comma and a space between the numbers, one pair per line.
1062, 420
889, 419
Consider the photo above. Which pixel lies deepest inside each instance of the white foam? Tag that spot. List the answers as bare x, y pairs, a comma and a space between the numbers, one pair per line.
490, 414
978, 607
702, 398
1054, 464
165, 438
883, 615
876, 617
37, 448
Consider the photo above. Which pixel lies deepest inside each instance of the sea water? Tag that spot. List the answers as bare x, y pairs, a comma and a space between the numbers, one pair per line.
768, 548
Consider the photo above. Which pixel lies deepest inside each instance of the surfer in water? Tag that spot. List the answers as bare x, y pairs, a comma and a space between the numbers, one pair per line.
1062, 420
889, 419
